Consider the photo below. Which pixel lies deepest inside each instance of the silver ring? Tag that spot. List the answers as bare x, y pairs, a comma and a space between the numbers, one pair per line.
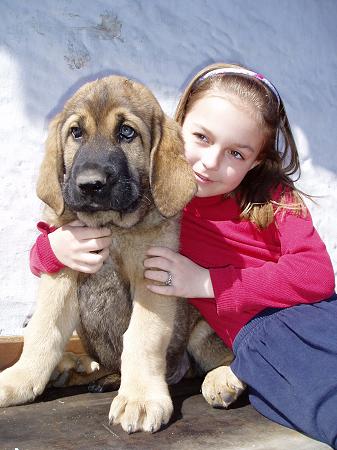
168, 282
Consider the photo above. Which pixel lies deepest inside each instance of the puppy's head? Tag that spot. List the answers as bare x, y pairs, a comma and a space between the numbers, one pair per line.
112, 152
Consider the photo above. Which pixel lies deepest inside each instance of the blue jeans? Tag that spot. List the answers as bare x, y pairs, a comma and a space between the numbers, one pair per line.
288, 359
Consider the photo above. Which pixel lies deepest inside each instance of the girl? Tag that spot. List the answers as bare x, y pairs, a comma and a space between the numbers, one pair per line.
251, 261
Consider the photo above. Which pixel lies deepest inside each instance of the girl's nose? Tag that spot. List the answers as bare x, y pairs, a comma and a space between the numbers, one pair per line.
211, 157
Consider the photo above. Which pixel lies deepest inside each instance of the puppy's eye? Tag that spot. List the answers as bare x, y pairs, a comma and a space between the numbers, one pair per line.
127, 133
76, 132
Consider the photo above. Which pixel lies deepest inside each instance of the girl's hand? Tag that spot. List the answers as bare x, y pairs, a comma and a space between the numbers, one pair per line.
188, 279
79, 247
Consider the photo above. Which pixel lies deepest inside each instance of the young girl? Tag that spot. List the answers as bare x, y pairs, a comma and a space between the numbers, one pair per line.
251, 261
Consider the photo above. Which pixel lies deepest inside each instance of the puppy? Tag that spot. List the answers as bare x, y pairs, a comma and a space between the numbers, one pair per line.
114, 159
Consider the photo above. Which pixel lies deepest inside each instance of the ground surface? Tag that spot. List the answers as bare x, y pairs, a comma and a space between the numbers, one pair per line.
70, 419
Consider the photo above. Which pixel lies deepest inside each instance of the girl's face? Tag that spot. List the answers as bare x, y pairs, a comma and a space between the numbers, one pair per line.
222, 143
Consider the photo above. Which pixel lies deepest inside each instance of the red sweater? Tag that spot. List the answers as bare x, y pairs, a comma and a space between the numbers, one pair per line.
280, 266
42, 258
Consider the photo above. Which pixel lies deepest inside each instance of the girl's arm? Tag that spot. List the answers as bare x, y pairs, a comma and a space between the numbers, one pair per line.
73, 245
303, 274
42, 258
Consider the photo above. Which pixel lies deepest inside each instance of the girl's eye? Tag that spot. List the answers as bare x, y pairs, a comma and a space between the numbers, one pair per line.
236, 154
127, 133
201, 137
76, 132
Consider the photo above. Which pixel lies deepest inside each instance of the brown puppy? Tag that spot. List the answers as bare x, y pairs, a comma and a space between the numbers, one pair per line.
114, 159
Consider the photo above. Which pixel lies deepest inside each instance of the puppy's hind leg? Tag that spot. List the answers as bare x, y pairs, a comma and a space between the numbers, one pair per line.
220, 387
77, 370
207, 349
48, 331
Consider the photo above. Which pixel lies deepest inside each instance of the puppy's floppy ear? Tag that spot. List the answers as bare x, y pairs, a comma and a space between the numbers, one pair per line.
171, 177
51, 171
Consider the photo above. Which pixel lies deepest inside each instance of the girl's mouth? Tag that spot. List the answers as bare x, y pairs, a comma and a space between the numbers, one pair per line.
202, 179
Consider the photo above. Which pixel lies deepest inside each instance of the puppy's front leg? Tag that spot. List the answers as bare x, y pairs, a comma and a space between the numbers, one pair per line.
143, 401
48, 331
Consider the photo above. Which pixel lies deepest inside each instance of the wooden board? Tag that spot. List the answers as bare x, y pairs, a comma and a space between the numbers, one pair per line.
11, 348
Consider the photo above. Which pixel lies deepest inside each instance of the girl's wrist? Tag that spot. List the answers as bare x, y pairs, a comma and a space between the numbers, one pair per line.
207, 287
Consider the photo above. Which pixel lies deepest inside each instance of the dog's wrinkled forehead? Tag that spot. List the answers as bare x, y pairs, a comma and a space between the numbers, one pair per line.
102, 96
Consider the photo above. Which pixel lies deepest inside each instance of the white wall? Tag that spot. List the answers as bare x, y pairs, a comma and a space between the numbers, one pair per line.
49, 48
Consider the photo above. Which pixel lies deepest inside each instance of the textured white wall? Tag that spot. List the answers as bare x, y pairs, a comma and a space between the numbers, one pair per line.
48, 49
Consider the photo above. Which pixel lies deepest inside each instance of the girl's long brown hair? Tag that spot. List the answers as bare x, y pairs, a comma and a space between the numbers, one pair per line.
279, 160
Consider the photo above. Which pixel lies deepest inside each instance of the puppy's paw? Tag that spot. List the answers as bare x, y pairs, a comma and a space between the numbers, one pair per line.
136, 412
72, 363
17, 386
221, 387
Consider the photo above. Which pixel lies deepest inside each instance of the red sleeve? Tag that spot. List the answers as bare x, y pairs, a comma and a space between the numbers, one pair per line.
42, 258
303, 273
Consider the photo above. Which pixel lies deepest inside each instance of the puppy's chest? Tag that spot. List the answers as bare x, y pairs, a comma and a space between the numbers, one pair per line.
127, 252
129, 246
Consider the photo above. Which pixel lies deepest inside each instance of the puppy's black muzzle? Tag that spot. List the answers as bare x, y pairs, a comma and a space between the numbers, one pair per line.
102, 181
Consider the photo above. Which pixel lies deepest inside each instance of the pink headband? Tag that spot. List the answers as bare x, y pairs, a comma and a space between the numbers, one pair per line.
237, 70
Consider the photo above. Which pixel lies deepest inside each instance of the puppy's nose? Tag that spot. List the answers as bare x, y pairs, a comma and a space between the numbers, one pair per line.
91, 181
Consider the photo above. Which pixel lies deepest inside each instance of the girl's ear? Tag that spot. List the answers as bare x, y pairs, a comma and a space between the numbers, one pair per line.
51, 171
172, 180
